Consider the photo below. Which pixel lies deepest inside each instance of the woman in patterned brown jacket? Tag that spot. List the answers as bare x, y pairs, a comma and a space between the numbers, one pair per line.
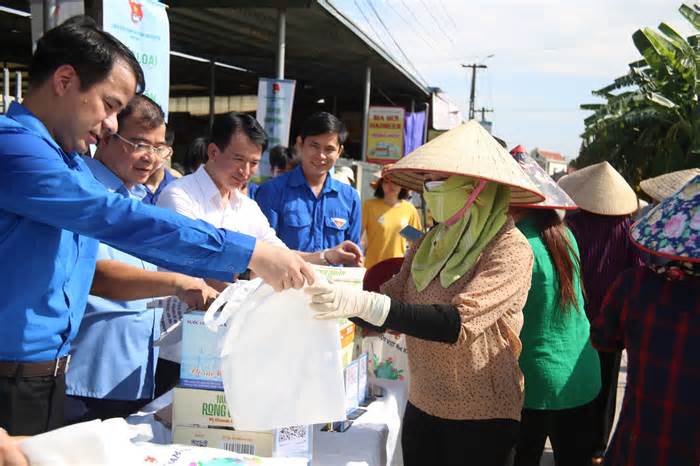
459, 299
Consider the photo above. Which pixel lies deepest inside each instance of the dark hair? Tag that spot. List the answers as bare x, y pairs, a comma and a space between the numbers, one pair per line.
281, 157
566, 262
196, 155
145, 111
228, 124
322, 123
78, 42
379, 192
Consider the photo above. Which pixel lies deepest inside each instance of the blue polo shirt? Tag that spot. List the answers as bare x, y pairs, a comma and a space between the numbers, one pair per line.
152, 197
52, 213
306, 222
113, 355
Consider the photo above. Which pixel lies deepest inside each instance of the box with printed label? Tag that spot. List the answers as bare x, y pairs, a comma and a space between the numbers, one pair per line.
203, 408
194, 408
201, 349
350, 276
249, 443
347, 340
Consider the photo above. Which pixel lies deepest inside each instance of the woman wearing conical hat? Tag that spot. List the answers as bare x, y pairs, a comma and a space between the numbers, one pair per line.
660, 187
653, 312
601, 227
459, 299
561, 368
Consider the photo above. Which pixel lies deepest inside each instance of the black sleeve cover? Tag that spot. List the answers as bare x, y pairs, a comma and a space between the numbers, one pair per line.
433, 322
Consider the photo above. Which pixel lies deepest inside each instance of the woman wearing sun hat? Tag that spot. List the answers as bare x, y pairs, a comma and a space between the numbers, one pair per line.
601, 227
384, 217
663, 186
561, 368
458, 298
654, 312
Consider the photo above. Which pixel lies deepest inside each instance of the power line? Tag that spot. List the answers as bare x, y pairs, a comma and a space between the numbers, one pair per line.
376, 14
415, 17
447, 14
376, 34
423, 37
439, 26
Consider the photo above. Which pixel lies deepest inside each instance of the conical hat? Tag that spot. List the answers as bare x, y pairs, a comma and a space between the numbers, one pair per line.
672, 228
663, 186
600, 189
467, 150
555, 197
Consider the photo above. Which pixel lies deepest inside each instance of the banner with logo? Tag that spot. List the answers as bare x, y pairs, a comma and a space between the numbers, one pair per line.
274, 113
385, 134
143, 26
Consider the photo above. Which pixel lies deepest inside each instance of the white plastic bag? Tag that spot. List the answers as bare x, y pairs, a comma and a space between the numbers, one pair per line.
388, 356
107, 443
280, 366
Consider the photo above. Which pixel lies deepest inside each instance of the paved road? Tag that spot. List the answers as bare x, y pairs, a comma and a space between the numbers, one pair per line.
548, 457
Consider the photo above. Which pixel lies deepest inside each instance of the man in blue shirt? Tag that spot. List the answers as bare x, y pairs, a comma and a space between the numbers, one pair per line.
53, 213
113, 364
310, 210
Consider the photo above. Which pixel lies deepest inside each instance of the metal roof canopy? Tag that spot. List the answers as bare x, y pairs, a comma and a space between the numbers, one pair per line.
325, 52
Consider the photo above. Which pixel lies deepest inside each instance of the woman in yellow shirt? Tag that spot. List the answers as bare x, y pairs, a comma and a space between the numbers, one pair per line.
382, 220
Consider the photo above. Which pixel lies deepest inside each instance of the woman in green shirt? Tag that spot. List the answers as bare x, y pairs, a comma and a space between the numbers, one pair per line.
561, 368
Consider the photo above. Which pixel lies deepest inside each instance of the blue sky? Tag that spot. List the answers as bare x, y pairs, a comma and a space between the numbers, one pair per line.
548, 54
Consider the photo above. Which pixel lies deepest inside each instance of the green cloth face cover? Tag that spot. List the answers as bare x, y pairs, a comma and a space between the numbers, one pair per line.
451, 250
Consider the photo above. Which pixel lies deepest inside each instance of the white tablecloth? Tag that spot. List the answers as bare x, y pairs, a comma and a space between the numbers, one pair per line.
374, 439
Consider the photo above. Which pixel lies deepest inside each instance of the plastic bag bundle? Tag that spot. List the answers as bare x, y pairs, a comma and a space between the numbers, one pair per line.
280, 366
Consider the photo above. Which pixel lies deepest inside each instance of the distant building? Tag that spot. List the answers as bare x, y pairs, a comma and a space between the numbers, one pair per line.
553, 162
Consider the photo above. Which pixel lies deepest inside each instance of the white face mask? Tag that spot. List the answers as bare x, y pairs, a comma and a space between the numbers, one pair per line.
432, 185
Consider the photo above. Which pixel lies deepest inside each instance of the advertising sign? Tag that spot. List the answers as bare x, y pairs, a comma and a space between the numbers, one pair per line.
275, 101
385, 134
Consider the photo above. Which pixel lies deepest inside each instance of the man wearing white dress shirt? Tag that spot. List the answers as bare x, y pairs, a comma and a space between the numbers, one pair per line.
212, 193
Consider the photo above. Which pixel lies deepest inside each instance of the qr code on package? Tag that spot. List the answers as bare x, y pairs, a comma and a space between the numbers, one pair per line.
293, 441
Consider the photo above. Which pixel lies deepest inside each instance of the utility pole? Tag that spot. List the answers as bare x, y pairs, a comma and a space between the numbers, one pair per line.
474, 67
484, 111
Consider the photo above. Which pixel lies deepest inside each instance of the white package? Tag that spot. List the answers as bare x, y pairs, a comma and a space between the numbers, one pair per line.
280, 366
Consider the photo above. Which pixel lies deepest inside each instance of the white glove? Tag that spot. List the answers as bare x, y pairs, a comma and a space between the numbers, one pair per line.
337, 301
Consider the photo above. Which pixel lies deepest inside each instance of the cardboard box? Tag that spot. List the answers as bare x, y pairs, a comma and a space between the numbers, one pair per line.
201, 349
350, 276
249, 443
195, 409
202, 408
347, 339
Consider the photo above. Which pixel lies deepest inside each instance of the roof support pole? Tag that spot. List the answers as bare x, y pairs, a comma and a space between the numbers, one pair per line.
365, 111
5, 89
281, 40
18, 86
212, 92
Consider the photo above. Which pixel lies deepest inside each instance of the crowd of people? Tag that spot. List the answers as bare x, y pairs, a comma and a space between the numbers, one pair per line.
517, 302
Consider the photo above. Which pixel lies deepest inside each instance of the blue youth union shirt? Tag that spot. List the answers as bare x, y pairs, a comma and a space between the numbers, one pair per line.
306, 222
113, 356
52, 212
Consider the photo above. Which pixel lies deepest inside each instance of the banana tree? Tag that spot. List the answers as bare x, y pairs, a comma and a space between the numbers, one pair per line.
649, 122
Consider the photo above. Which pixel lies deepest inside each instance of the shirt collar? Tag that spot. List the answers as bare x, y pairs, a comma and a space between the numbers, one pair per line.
111, 181
297, 178
209, 189
26, 118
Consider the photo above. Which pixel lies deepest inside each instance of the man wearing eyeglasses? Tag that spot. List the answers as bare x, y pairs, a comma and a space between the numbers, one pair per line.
53, 213
114, 361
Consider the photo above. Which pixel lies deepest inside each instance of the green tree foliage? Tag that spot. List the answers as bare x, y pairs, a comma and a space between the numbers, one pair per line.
649, 122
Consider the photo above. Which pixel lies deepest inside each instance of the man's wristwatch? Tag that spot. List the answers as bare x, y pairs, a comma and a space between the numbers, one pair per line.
322, 256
